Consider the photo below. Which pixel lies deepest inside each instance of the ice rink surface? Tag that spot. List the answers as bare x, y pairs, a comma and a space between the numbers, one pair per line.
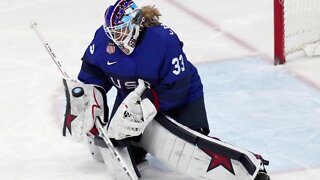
272, 110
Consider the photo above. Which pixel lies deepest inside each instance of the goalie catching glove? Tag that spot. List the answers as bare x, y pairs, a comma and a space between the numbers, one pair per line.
132, 116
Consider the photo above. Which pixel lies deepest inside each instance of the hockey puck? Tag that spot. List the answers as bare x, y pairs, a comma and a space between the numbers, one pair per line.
77, 92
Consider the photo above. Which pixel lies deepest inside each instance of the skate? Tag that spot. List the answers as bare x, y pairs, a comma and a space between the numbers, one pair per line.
262, 175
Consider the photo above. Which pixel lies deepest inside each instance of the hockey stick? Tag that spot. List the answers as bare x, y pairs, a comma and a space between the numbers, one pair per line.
34, 26
131, 175
130, 172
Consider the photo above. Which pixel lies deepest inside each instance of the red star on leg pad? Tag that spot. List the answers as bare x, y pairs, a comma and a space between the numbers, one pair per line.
218, 160
70, 118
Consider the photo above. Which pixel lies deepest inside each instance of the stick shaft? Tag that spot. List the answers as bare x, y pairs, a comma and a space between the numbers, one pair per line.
34, 26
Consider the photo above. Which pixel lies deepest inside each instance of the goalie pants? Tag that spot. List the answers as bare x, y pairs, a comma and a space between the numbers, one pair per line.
192, 115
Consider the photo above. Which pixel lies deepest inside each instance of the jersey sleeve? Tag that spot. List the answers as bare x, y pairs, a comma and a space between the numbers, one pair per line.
175, 77
89, 73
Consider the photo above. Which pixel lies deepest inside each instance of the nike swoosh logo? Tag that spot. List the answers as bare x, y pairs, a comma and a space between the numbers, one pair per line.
92, 49
111, 63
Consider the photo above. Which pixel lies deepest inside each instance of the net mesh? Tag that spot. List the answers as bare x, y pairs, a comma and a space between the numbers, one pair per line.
301, 24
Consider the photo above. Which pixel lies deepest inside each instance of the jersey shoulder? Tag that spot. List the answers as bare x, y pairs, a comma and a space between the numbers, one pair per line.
162, 39
100, 36
97, 47
162, 34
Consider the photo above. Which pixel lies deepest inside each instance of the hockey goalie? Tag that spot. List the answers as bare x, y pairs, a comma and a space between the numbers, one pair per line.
159, 107
137, 128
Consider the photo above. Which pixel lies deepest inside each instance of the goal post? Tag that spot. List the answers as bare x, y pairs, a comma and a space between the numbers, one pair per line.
296, 28
279, 55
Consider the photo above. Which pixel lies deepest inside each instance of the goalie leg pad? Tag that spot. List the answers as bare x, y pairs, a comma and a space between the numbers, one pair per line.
197, 155
113, 160
94, 150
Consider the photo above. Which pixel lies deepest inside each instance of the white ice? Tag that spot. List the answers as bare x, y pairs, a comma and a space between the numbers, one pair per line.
272, 110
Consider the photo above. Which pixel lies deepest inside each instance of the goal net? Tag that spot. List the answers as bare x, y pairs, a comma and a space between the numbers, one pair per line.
296, 28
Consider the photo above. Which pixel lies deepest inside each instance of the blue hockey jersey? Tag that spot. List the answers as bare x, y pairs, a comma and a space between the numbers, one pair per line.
158, 59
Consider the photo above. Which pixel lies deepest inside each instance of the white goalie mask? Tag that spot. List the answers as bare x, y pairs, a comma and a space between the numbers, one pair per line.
123, 24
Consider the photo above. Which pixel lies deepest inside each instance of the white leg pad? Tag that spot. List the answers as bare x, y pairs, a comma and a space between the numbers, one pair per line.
198, 160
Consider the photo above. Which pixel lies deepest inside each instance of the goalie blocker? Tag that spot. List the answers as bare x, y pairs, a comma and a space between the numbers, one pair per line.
173, 144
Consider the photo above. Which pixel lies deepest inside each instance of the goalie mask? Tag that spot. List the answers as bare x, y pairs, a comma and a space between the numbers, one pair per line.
123, 24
